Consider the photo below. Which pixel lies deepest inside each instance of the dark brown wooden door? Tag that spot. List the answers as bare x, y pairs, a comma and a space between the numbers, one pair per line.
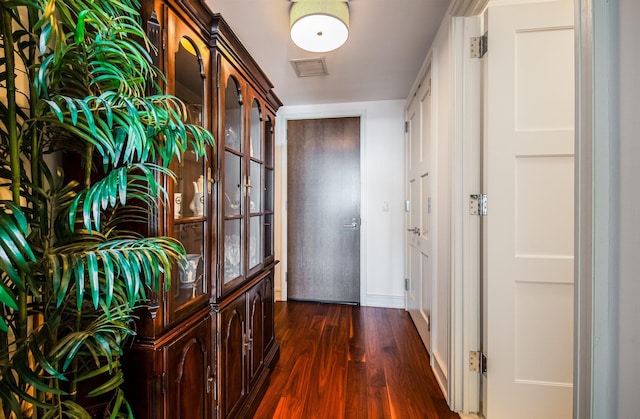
255, 323
232, 350
188, 369
269, 313
323, 209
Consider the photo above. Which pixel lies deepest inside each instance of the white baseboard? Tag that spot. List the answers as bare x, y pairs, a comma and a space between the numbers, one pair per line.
384, 301
440, 371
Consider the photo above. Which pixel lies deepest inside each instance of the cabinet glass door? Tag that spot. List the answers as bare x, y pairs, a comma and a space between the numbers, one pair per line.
190, 210
268, 190
234, 184
256, 166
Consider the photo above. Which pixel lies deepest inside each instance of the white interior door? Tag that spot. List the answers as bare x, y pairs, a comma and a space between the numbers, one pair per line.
529, 173
419, 256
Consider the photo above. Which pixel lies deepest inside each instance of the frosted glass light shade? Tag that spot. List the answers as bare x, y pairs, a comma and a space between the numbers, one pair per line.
319, 25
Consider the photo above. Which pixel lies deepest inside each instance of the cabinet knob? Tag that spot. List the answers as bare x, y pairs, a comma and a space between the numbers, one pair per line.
209, 379
210, 180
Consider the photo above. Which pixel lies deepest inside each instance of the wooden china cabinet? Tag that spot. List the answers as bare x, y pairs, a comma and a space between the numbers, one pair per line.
206, 343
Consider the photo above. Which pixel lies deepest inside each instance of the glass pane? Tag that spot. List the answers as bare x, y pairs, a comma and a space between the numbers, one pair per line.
256, 187
268, 143
232, 250
256, 131
188, 281
268, 190
268, 235
255, 241
189, 79
233, 116
232, 184
189, 194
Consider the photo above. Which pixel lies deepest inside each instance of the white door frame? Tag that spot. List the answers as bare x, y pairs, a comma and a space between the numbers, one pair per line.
592, 257
281, 197
464, 387
593, 319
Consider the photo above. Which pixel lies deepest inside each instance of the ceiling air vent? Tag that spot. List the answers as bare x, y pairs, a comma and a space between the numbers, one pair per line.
308, 67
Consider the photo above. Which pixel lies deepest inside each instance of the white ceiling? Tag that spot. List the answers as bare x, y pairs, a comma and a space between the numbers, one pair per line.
388, 42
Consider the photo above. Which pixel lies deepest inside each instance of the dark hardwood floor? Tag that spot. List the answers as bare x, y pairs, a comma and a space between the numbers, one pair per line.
340, 361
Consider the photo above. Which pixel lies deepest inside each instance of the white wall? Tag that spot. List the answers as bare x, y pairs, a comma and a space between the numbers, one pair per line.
625, 136
382, 232
608, 315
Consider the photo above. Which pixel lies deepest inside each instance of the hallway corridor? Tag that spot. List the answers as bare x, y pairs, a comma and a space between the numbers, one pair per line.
341, 361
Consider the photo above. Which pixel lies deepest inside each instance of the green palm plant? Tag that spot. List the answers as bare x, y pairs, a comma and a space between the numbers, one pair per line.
73, 81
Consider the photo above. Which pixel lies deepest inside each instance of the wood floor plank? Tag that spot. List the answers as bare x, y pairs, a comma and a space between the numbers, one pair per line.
376, 345
341, 361
411, 365
396, 368
356, 398
356, 405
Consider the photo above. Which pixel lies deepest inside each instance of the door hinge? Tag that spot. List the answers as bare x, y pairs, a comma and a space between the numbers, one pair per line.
164, 382
406, 127
428, 322
478, 204
479, 46
406, 284
477, 362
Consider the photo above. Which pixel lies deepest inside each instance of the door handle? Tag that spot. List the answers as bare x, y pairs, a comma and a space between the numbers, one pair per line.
353, 224
414, 230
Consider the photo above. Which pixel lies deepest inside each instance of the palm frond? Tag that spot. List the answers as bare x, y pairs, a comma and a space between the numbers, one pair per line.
129, 262
119, 403
100, 335
133, 182
16, 255
69, 249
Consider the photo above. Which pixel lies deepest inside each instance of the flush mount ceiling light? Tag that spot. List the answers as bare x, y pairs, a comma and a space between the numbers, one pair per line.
319, 25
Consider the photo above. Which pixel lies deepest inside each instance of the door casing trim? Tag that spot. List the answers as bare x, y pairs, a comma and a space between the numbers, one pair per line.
282, 119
